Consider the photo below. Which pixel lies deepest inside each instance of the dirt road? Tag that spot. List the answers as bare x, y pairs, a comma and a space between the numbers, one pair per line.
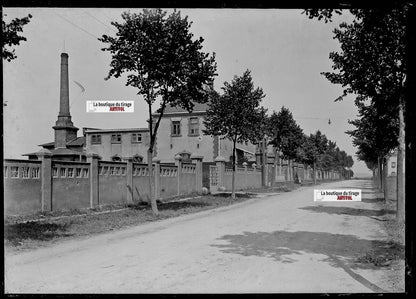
280, 243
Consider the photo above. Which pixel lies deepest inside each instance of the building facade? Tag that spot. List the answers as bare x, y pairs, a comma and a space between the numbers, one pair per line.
118, 144
181, 133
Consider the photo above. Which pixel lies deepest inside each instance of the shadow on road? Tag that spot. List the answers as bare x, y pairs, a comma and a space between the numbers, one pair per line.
283, 246
181, 205
347, 211
15, 233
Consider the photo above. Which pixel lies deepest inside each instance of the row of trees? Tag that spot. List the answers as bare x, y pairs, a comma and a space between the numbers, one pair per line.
372, 65
237, 115
315, 150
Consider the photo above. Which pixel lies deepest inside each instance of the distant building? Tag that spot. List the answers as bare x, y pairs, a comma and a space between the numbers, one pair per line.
118, 144
180, 133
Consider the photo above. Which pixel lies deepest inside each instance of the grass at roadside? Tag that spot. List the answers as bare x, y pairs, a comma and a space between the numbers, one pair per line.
31, 234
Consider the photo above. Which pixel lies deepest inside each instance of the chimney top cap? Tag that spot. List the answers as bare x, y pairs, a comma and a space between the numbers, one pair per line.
64, 54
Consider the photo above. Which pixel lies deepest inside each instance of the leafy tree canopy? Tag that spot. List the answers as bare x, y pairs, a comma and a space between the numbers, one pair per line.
11, 37
286, 134
236, 114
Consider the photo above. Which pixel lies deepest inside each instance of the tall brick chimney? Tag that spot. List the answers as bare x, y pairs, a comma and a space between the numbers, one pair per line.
64, 128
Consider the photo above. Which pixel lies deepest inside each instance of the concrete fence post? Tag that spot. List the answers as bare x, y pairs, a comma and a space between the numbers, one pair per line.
93, 158
46, 180
156, 164
220, 162
197, 159
129, 177
178, 163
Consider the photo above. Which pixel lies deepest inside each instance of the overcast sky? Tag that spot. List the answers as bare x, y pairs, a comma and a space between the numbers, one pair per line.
284, 49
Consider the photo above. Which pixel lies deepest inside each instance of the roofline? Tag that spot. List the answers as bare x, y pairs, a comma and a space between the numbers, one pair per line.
181, 113
116, 130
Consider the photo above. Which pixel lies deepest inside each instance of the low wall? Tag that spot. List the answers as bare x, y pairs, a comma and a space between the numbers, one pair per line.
66, 185
141, 182
188, 178
391, 186
22, 186
245, 178
168, 181
70, 185
112, 182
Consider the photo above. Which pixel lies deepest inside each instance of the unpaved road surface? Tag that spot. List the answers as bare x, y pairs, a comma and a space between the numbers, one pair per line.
279, 243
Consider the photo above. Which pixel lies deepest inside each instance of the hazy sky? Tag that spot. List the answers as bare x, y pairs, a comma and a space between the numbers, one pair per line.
284, 49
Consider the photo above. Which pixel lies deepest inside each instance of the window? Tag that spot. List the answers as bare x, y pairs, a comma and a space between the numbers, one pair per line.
95, 139
70, 172
176, 128
62, 172
85, 172
111, 171
136, 138
393, 164
193, 126
123, 170
35, 173
105, 170
55, 172
25, 172
115, 138
117, 171
14, 172
78, 172
137, 159
5, 171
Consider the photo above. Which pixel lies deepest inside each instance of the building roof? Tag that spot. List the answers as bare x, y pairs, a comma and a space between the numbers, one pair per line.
65, 151
197, 108
79, 141
88, 130
60, 151
48, 144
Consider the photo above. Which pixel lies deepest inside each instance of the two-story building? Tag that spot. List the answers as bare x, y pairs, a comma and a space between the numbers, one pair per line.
118, 144
181, 132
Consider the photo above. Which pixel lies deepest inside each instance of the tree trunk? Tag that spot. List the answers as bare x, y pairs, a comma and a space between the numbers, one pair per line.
385, 186
400, 168
380, 174
264, 163
233, 178
152, 194
314, 173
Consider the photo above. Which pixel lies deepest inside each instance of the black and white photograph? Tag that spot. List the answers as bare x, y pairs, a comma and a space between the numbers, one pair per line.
209, 150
